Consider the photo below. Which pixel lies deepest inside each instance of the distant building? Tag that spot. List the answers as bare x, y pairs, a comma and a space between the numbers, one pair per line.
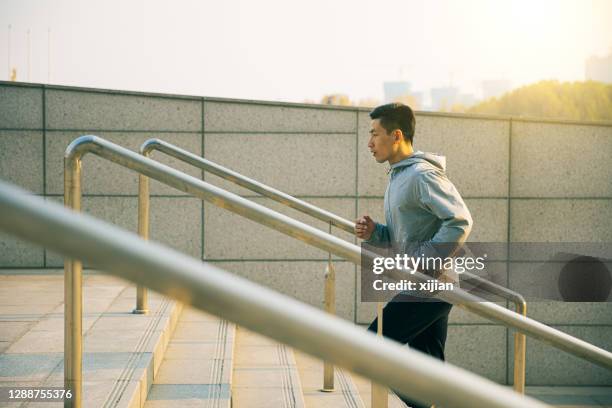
495, 88
399, 91
599, 68
444, 97
395, 89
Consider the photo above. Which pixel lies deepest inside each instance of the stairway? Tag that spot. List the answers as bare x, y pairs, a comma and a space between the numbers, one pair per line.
176, 356
212, 363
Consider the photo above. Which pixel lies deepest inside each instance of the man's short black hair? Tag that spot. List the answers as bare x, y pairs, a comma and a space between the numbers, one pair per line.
396, 116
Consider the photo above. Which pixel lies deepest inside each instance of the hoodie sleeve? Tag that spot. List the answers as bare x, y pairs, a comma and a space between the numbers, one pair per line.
438, 196
380, 236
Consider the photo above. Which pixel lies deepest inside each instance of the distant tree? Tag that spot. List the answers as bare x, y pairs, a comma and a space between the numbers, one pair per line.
588, 100
458, 108
336, 99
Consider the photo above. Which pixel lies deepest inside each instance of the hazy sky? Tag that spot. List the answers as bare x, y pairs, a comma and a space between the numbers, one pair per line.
296, 50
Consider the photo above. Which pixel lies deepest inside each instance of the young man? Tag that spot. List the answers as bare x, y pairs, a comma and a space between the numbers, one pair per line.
424, 215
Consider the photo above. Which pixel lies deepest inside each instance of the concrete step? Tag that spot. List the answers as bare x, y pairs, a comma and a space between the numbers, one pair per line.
121, 350
364, 385
345, 394
265, 374
197, 367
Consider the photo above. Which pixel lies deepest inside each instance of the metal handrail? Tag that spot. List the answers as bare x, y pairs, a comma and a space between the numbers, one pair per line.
202, 163
328, 217
248, 304
288, 226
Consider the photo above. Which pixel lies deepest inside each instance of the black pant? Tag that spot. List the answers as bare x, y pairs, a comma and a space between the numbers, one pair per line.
420, 324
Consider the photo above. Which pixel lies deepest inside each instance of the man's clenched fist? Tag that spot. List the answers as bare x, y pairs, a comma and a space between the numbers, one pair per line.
364, 227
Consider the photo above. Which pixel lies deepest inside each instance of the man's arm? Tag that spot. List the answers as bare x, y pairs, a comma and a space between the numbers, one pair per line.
439, 196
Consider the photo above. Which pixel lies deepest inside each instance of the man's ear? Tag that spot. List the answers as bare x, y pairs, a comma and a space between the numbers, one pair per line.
398, 136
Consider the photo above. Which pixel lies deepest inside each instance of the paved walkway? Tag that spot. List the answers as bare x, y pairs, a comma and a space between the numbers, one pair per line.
118, 346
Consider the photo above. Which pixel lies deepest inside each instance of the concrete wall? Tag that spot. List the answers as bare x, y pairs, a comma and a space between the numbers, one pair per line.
523, 181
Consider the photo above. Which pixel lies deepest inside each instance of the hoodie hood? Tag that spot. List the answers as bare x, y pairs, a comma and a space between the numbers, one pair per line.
437, 161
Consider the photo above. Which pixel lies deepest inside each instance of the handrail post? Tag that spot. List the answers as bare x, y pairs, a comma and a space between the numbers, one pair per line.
330, 307
143, 230
520, 349
380, 395
73, 295
520, 339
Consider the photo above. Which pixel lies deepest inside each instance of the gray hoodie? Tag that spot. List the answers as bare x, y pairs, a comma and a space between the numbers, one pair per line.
423, 209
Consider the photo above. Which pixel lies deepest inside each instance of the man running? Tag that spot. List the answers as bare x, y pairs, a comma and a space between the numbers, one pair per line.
424, 216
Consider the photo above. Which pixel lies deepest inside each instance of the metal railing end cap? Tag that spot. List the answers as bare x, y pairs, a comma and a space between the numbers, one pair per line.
79, 146
149, 145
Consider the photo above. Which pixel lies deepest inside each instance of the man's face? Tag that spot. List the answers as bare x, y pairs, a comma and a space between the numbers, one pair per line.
381, 144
